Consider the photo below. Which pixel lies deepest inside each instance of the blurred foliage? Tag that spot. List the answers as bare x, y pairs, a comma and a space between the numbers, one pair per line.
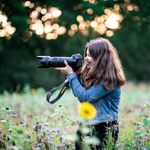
28, 122
18, 53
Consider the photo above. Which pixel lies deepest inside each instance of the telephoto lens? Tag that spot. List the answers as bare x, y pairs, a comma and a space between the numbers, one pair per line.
75, 61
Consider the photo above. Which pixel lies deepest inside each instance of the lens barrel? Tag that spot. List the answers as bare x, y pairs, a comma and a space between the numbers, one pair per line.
75, 61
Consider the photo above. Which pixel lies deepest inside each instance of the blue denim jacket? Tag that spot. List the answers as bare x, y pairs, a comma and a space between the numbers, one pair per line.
105, 101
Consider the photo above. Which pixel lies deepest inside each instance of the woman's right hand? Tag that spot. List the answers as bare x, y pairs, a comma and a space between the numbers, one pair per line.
66, 70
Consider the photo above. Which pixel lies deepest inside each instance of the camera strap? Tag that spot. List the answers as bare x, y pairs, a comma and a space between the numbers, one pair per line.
63, 87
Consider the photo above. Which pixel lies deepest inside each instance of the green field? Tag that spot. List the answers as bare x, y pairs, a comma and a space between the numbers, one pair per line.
28, 121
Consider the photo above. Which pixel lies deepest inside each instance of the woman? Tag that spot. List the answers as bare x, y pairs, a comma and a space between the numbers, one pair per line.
102, 76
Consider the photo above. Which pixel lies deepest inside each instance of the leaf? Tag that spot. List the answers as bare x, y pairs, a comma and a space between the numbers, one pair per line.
91, 140
4, 122
146, 122
19, 130
147, 145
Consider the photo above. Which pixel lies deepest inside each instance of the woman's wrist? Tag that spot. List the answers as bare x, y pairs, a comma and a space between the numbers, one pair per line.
71, 75
70, 72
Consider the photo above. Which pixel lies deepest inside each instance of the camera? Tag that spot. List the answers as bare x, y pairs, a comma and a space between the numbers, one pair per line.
75, 61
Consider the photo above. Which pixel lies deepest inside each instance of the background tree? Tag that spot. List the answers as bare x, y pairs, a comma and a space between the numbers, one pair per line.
24, 35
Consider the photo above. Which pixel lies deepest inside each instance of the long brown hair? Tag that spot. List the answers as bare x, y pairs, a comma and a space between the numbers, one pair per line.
107, 68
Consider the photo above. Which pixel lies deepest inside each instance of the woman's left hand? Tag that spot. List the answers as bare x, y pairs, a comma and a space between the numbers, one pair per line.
66, 70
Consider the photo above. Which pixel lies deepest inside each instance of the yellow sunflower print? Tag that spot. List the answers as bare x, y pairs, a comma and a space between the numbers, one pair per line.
87, 110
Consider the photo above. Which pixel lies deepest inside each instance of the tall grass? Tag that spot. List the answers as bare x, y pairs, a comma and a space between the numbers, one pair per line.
28, 121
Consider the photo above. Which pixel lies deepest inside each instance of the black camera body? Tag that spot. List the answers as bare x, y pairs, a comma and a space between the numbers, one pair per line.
75, 61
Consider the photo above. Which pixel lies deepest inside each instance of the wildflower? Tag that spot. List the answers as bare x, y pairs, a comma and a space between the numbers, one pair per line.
87, 110
33, 90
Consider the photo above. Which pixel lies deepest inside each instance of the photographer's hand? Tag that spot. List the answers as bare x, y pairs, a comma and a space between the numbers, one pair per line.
66, 70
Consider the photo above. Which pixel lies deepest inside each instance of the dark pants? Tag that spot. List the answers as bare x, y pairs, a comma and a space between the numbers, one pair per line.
105, 132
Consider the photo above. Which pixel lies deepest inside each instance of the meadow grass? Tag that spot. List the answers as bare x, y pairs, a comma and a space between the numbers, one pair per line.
27, 119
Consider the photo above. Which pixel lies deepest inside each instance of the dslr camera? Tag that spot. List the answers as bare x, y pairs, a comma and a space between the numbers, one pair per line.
75, 61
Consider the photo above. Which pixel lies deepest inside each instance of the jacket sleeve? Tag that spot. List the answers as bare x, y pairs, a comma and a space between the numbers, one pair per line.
91, 94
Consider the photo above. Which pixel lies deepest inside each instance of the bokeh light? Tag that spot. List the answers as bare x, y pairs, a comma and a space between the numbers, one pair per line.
6, 29
105, 24
43, 21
